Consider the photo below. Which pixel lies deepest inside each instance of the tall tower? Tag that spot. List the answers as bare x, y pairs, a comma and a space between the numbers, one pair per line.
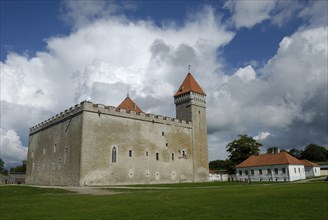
190, 102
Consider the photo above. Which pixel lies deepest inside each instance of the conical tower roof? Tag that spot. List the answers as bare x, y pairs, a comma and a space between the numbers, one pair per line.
189, 85
128, 105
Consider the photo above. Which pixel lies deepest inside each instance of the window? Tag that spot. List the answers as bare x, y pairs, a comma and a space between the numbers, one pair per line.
172, 156
44, 150
283, 170
269, 171
240, 172
162, 133
183, 153
55, 146
246, 172
260, 171
65, 155
275, 170
252, 172
157, 156
130, 153
167, 144
59, 163
146, 153
294, 170
299, 170
114, 155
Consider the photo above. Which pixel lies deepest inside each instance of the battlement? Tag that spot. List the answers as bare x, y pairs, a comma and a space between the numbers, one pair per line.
107, 110
57, 118
111, 110
192, 97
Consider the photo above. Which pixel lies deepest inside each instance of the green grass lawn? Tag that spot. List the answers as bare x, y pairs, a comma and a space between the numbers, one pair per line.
200, 201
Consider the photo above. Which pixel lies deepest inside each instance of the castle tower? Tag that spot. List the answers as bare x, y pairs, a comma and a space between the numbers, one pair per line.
190, 101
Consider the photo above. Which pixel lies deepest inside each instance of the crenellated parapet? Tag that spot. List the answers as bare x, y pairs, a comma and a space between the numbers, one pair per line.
192, 98
111, 110
101, 109
57, 118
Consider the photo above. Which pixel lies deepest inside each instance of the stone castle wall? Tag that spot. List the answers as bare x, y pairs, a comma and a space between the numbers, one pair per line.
54, 152
75, 148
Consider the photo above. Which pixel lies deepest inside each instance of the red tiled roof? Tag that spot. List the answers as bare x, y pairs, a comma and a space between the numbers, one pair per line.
189, 84
128, 105
270, 159
308, 163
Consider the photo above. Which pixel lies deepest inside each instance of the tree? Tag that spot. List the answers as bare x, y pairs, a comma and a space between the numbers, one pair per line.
218, 165
295, 153
1, 165
314, 152
242, 148
19, 169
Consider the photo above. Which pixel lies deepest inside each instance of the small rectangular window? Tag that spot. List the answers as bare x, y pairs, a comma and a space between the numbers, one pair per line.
299, 170
157, 156
172, 156
260, 171
130, 153
146, 153
240, 172
294, 170
167, 144
269, 171
283, 170
183, 153
275, 170
163, 133
252, 172
55, 146
246, 172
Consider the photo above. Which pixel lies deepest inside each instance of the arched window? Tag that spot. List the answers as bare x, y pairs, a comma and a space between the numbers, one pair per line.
114, 152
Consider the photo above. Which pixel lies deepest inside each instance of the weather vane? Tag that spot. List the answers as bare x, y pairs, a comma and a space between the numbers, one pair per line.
127, 92
189, 66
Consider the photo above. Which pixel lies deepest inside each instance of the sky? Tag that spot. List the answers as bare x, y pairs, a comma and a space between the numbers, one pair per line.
262, 64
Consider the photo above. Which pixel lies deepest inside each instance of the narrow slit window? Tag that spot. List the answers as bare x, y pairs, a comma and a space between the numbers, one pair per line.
114, 154
130, 153
172, 156
157, 156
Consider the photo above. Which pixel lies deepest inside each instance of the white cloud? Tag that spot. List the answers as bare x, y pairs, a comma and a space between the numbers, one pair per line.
12, 150
246, 74
249, 13
262, 135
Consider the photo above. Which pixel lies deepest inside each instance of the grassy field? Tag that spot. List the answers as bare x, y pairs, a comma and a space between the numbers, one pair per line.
187, 201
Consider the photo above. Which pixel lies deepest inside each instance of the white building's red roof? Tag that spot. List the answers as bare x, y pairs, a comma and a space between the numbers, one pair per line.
270, 159
308, 163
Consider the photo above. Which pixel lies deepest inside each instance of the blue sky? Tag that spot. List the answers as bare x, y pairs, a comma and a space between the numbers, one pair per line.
263, 64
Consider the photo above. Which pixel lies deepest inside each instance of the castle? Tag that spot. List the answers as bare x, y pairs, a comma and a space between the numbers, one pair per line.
94, 144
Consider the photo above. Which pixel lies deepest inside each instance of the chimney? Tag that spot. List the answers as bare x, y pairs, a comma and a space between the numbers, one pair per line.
276, 150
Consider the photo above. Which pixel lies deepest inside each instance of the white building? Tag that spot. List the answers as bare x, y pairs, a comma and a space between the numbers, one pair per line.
271, 167
218, 175
311, 169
